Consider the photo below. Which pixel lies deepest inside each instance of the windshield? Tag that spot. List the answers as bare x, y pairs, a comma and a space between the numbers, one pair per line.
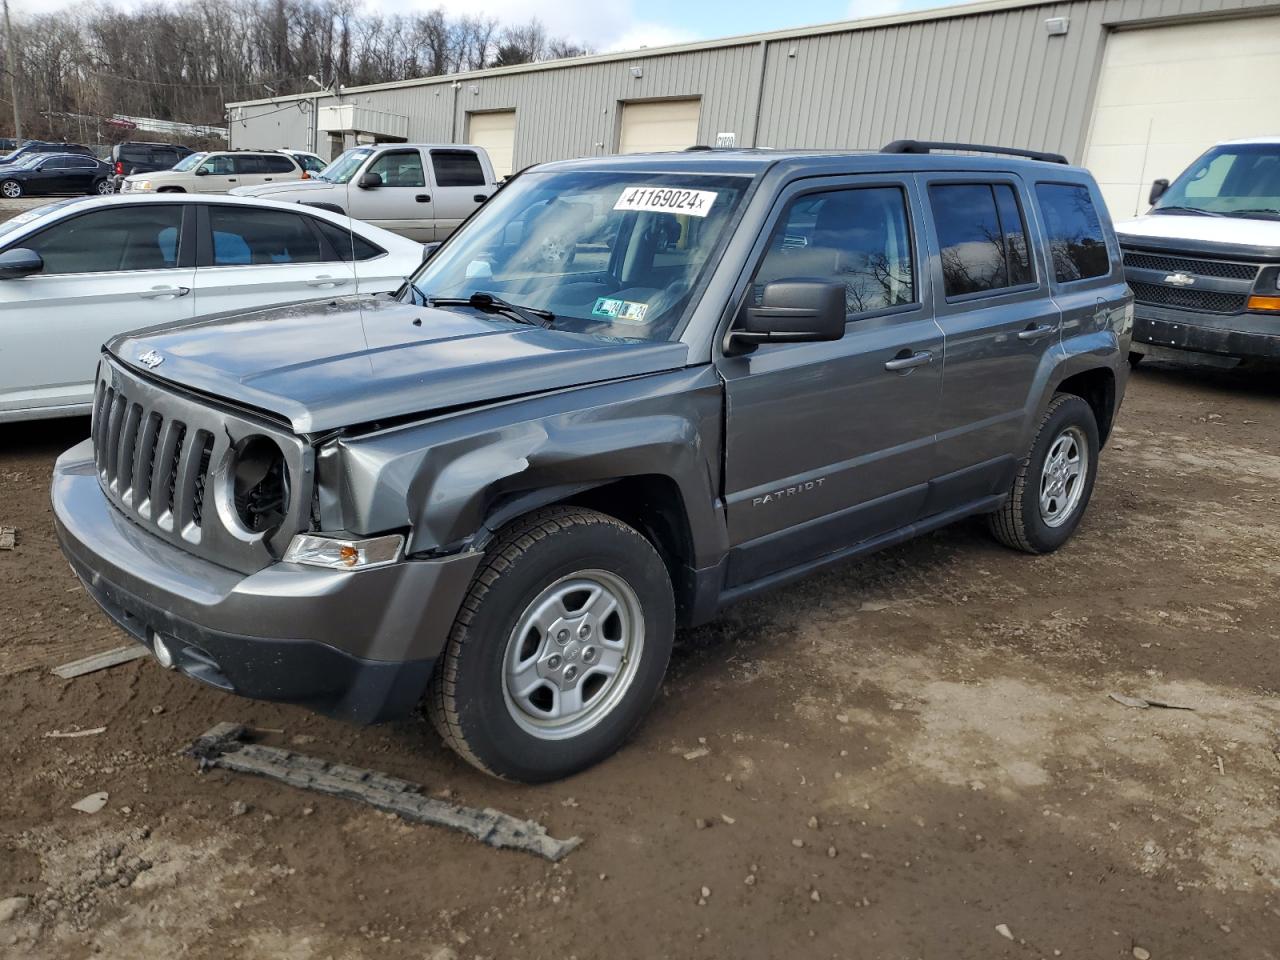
612, 254
189, 162
1240, 180
345, 166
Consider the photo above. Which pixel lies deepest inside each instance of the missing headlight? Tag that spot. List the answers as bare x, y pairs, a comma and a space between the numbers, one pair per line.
260, 485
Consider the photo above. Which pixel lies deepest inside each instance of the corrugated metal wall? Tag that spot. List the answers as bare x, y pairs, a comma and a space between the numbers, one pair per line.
993, 77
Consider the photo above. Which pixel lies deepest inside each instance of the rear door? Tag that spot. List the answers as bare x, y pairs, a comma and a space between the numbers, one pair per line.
251, 257
460, 186
81, 174
992, 300
108, 271
403, 202
831, 444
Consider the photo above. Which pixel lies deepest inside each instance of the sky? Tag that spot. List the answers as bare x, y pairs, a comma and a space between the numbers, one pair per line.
607, 25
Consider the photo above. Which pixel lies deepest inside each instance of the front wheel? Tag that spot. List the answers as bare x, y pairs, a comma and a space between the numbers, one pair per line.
11, 189
559, 648
1054, 483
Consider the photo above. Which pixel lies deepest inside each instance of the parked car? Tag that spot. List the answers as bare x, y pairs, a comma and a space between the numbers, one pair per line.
310, 162
45, 146
1204, 263
141, 156
76, 272
502, 490
420, 191
218, 171
54, 173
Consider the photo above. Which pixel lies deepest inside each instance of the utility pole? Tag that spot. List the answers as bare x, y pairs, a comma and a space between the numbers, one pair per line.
12, 59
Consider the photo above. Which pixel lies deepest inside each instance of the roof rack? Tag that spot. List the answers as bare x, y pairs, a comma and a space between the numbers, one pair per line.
928, 146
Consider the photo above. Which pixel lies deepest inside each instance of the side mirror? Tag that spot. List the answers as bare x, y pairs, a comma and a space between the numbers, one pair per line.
1157, 191
791, 311
19, 262
369, 181
202, 171
429, 250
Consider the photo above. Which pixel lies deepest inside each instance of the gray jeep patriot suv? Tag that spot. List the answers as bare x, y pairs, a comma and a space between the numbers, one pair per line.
628, 392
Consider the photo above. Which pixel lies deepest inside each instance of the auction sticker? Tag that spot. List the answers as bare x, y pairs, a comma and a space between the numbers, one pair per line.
695, 203
625, 311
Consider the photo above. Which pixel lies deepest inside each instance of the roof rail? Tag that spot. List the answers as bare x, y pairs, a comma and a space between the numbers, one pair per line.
928, 146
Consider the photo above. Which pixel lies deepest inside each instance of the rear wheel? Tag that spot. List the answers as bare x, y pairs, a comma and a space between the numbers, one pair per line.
559, 648
11, 189
103, 187
1054, 483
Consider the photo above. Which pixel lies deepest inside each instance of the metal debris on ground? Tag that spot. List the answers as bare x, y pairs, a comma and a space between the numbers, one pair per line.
68, 734
223, 746
8, 538
92, 803
100, 661
1142, 703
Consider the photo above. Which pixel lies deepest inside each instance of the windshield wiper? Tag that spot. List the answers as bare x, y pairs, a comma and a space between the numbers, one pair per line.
1268, 211
1196, 210
488, 302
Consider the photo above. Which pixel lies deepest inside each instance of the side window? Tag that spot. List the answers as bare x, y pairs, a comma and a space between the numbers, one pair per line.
219, 165
1077, 244
277, 165
244, 236
347, 244
457, 168
401, 168
859, 237
250, 164
982, 237
142, 237
81, 163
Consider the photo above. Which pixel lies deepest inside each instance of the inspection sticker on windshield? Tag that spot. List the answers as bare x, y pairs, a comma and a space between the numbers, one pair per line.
695, 203
621, 311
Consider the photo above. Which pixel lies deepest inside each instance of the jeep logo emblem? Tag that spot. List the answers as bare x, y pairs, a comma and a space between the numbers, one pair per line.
151, 359
1180, 279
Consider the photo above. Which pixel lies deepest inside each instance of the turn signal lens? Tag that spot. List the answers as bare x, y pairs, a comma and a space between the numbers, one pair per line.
336, 554
1266, 304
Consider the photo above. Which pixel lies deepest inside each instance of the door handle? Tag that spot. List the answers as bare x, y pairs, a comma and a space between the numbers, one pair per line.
480, 197
231, 179
909, 361
267, 179
423, 198
327, 282
162, 293
1035, 333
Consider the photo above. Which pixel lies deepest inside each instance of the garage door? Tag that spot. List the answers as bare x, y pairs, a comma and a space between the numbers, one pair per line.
496, 132
1167, 94
659, 125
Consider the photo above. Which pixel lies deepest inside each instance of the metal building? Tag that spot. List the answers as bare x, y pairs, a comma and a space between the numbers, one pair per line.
1134, 89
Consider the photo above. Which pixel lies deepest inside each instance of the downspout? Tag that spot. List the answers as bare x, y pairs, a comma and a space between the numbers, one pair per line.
764, 62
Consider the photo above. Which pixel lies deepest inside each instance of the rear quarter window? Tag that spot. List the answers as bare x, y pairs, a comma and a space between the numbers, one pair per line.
457, 168
1077, 242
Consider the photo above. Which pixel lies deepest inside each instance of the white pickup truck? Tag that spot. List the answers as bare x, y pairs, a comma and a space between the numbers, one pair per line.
420, 191
1204, 263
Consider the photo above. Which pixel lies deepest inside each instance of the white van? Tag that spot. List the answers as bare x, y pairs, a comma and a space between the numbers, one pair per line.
420, 191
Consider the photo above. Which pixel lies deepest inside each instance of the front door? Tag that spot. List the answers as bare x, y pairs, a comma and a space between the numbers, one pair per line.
105, 272
831, 444
992, 302
402, 202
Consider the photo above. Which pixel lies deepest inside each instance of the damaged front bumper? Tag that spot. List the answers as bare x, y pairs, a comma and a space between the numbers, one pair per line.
359, 645
1241, 335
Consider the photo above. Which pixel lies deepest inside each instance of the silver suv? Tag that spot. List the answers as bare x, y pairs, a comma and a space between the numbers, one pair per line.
500, 493
218, 171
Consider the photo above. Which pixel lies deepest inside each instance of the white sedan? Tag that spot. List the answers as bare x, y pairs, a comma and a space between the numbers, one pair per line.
76, 272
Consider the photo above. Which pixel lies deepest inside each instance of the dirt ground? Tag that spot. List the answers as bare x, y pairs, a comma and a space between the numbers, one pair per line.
901, 756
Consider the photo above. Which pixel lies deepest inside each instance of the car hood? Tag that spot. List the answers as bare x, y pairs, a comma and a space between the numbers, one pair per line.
1238, 236
290, 186
334, 363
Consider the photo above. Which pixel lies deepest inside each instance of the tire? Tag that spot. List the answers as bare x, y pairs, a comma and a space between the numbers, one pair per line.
171, 190
11, 189
555, 561
1024, 522
103, 187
